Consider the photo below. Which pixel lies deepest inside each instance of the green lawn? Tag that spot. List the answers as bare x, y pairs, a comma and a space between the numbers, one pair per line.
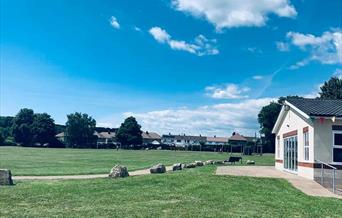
49, 161
188, 193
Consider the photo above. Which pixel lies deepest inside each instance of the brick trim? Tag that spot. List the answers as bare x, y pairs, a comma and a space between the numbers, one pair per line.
305, 129
292, 133
305, 164
279, 161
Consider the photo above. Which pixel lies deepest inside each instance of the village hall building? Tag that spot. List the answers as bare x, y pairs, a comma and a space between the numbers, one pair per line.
308, 131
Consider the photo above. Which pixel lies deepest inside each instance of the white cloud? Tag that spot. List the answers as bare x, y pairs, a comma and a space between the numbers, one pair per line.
258, 77
283, 46
338, 73
114, 22
137, 29
218, 119
326, 49
235, 13
200, 46
228, 91
159, 34
255, 50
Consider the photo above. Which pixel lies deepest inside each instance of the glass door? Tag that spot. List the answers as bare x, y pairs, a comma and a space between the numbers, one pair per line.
291, 153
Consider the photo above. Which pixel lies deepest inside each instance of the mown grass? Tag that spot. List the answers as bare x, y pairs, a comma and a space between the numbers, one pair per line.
49, 161
188, 193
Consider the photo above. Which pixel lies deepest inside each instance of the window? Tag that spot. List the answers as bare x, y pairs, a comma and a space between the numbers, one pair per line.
306, 145
337, 146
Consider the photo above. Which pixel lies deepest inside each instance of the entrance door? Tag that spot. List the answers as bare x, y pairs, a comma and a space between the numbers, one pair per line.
291, 153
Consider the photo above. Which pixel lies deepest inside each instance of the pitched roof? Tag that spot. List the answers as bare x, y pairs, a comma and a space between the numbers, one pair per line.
237, 137
61, 134
318, 107
106, 135
217, 139
150, 135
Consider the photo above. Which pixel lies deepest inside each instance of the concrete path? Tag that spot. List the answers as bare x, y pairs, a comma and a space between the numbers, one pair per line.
90, 176
307, 186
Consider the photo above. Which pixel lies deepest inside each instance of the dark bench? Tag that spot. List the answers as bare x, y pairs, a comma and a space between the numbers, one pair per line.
233, 159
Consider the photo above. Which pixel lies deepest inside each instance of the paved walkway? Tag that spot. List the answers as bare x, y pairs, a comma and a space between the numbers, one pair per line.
307, 186
90, 176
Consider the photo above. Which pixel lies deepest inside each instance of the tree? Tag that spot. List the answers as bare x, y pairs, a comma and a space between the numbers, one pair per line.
21, 128
267, 117
331, 89
129, 132
80, 130
43, 129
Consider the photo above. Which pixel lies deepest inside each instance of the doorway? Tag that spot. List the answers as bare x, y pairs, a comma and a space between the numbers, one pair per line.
291, 153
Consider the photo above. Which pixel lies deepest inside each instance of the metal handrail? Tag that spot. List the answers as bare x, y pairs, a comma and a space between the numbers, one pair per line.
322, 173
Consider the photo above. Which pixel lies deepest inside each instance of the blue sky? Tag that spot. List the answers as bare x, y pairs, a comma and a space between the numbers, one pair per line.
180, 66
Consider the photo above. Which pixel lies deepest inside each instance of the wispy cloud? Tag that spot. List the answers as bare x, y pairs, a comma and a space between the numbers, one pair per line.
338, 73
228, 91
283, 46
200, 46
228, 14
217, 119
114, 22
326, 49
258, 77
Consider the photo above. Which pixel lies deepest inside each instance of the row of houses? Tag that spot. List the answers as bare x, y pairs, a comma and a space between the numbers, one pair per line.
180, 140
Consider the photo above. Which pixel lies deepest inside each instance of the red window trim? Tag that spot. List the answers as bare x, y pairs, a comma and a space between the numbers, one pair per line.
292, 133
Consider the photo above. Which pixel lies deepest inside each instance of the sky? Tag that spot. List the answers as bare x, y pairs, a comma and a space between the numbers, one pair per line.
179, 66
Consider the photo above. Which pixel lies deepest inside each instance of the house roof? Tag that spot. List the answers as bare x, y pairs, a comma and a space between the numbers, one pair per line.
318, 107
106, 135
217, 139
150, 135
237, 137
307, 108
61, 134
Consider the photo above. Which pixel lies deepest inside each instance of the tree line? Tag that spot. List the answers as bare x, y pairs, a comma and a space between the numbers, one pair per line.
31, 129
331, 89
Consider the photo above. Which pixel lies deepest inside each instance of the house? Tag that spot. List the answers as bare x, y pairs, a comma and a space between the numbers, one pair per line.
308, 131
216, 141
151, 138
183, 140
104, 138
61, 137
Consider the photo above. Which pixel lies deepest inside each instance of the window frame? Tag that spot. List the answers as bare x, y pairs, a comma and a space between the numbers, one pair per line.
306, 145
335, 146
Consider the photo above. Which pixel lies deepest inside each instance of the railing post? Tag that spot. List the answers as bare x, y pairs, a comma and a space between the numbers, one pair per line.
333, 180
322, 169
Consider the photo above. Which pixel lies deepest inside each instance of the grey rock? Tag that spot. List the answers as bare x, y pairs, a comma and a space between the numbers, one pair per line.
208, 162
177, 166
159, 168
199, 163
190, 165
218, 162
118, 171
5, 177
250, 162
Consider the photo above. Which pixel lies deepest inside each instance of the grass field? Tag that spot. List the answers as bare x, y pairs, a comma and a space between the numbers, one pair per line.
188, 193
49, 161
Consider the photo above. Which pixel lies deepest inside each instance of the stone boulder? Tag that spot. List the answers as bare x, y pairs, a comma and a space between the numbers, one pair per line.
218, 162
5, 177
159, 168
190, 165
209, 162
199, 163
118, 171
250, 162
177, 166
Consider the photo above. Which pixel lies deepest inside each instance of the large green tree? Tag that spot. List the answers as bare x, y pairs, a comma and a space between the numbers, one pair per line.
331, 89
129, 132
22, 126
43, 129
80, 130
